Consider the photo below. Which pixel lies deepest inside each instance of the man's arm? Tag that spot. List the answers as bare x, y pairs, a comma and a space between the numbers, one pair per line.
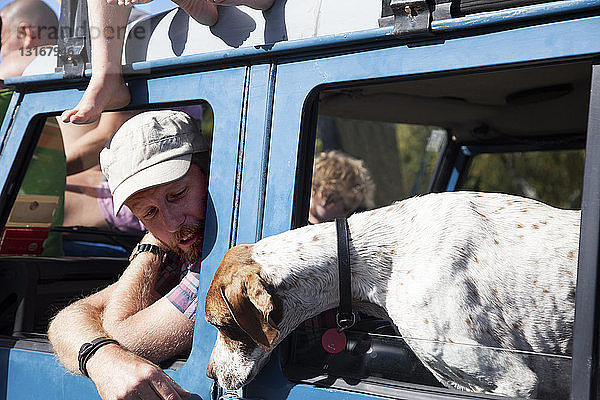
78, 323
116, 371
162, 331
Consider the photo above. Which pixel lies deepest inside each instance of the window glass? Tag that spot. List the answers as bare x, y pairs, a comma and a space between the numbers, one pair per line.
398, 158
62, 240
554, 177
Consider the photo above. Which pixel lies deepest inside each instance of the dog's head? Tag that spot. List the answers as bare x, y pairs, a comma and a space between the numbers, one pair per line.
246, 312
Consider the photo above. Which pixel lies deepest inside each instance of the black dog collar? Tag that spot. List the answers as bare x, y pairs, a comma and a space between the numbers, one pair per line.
345, 318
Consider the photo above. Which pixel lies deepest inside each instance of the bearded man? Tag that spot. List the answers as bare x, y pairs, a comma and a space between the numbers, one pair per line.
157, 165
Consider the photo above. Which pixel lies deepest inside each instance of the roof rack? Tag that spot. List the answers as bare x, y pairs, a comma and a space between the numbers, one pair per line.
73, 39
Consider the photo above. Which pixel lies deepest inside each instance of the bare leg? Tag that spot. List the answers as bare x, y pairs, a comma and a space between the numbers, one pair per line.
107, 89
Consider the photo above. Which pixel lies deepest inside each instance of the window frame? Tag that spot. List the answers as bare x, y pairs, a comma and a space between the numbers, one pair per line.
297, 89
20, 131
584, 377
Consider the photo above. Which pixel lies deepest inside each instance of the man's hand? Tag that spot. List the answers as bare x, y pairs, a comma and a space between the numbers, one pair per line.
121, 375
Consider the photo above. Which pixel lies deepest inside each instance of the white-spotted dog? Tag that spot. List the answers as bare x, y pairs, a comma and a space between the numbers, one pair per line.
471, 275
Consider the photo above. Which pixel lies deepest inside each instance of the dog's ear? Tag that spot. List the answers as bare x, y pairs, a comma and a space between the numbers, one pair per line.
254, 309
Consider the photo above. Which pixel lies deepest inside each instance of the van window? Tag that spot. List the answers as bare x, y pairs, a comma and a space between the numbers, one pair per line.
399, 158
62, 240
406, 137
553, 177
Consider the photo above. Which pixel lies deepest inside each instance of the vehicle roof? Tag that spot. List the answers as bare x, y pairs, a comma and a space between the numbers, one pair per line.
173, 39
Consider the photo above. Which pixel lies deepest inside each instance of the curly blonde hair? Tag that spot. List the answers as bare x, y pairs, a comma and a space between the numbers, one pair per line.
338, 176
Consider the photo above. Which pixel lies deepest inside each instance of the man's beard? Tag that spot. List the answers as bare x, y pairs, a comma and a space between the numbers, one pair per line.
193, 253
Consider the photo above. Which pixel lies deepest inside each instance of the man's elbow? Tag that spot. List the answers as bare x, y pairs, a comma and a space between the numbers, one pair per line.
57, 326
58, 335
75, 319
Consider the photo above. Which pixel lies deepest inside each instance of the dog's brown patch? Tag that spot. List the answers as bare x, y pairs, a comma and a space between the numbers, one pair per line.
535, 226
571, 254
238, 299
520, 226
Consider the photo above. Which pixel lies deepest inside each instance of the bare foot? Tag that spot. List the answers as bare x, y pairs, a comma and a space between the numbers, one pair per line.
102, 93
203, 11
256, 4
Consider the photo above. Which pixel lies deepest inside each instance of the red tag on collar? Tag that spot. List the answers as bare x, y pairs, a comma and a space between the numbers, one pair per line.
333, 341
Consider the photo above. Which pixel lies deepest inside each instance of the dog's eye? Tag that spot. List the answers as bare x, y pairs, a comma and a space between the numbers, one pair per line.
234, 332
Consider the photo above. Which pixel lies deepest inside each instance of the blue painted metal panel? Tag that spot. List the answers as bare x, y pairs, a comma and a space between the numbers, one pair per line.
34, 375
255, 151
6, 122
295, 80
223, 90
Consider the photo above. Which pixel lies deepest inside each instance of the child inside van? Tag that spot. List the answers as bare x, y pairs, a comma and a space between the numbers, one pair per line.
106, 89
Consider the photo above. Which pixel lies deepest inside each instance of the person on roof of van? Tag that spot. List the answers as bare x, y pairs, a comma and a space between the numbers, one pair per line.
156, 164
106, 89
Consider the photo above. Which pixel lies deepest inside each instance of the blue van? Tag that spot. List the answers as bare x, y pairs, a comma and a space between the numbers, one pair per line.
431, 95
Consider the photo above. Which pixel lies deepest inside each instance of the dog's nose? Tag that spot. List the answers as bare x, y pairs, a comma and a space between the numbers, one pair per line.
209, 371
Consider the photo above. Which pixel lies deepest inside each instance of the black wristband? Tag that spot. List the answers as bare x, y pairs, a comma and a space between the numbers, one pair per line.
87, 350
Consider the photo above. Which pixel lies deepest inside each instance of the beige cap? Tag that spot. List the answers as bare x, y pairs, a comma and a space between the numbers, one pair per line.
150, 149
